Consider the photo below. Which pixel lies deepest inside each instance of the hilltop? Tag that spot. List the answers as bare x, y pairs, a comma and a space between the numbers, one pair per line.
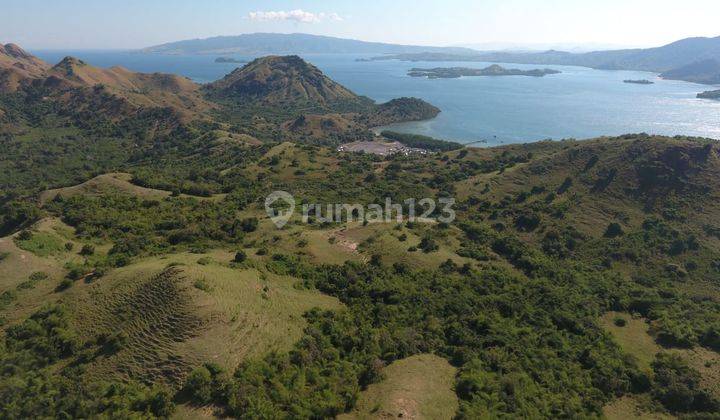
307, 103
17, 65
286, 81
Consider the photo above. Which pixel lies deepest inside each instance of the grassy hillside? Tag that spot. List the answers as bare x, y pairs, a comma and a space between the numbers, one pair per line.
549, 237
418, 387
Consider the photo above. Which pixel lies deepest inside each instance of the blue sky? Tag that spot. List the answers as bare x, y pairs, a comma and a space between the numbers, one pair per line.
79, 24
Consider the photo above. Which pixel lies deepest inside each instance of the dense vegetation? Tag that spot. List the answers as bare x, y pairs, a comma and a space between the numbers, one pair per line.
31, 386
422, 142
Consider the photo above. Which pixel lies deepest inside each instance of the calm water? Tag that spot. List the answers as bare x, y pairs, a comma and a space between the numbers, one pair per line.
578, 103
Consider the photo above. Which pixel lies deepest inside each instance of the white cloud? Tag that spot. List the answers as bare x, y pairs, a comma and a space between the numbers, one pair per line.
297, 15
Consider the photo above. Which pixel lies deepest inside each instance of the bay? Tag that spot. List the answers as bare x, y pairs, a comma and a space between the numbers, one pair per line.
577, 103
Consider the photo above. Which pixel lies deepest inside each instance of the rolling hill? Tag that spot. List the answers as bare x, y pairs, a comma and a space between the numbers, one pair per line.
140, 276
554, 242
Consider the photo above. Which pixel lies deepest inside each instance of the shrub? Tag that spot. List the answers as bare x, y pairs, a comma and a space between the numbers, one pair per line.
87, 249
448, 266
76, 273
428, 244
527, 221
677, 386
613, 230
64, 285
711, 337
32, 280
400, 267
7, 297
115, 342
249, 225
69, 246
25, 235
620, 322
161, 403
240, 256
199, 385
202, 284
567, 183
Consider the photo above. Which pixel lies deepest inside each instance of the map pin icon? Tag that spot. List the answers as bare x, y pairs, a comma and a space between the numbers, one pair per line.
280, 214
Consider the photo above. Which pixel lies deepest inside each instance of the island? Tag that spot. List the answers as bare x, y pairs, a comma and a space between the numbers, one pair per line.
494, 70
229, 60
639, 82
710, 94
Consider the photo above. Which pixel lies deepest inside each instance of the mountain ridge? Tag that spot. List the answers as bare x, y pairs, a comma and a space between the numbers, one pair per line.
274, 89
264, 43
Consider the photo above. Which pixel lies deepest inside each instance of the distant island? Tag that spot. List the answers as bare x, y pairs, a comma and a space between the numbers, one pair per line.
639, 82
692, 59
229, 60
494, 70
710, 94
257, 44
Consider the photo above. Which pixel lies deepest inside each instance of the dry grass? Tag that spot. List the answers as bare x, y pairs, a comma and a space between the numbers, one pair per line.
634, 338
418, 387
19, 264
631, 407
117, 182
112, 182
173, 325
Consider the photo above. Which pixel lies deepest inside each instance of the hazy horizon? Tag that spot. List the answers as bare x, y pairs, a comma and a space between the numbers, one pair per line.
83, 24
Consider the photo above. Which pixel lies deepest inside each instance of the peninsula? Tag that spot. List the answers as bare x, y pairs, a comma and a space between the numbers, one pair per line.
710, 94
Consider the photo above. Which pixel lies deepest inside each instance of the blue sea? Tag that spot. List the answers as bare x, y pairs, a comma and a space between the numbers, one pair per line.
578, 103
